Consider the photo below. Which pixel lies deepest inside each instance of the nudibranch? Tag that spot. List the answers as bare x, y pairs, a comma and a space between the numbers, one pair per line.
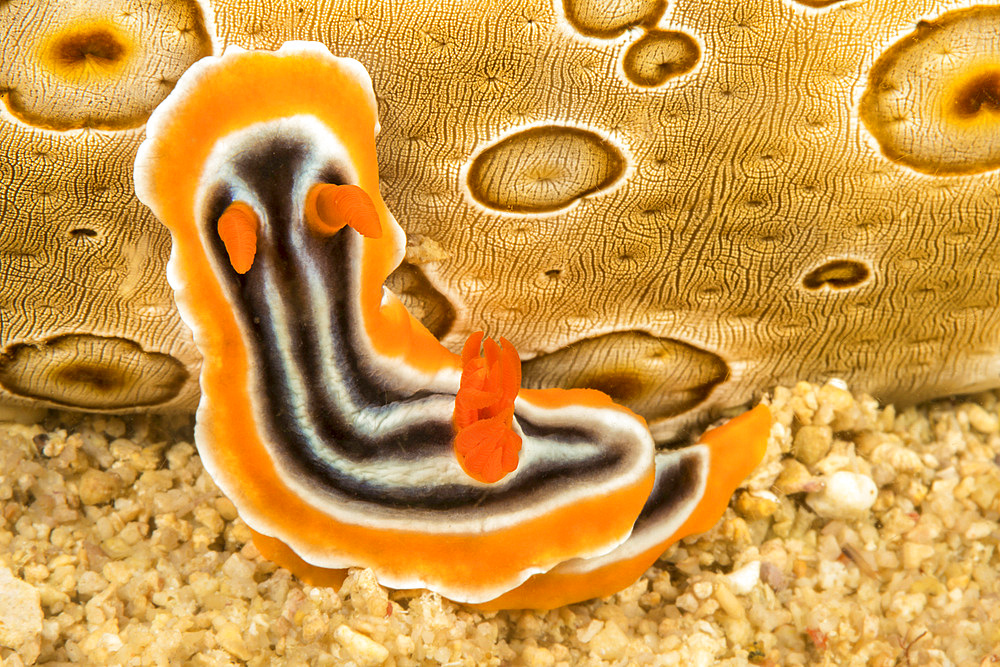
343, 431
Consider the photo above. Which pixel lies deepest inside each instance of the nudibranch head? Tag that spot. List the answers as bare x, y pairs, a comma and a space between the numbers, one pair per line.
485, 443
342, 430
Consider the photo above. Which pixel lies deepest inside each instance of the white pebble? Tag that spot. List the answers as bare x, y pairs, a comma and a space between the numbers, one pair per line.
981, 420
846, 495
979, 530
587, 633
610, 643
362, 649
702, 589
838, 383
743, 580
687, 602
20, 617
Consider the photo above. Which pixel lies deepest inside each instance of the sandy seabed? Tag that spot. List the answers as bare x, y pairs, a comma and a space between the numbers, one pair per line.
867, 537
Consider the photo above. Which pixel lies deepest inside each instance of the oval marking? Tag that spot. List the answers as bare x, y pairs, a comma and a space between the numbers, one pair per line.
837, 274
660, 55
91, 372
544, 169
932, 101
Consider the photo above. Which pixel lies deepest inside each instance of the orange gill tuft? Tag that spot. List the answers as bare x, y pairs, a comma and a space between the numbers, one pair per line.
485, 443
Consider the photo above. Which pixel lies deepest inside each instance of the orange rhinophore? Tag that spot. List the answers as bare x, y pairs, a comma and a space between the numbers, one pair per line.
485, 442
329, 207
237, 228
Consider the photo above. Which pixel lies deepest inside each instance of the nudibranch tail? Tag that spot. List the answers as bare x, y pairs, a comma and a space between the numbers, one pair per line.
693, 487
237, 228
735, 449
327, 411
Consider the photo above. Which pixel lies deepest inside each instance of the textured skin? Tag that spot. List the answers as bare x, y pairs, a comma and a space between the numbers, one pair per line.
746, 193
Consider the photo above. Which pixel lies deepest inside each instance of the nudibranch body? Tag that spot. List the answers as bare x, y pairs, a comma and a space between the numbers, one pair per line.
329, 413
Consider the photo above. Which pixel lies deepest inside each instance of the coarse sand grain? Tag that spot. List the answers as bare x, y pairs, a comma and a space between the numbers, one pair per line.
116, 548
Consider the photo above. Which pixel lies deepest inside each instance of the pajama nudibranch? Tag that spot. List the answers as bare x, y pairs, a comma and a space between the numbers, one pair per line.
329, 414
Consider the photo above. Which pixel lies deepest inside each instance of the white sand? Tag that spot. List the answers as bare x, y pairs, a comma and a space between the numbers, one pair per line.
115, 534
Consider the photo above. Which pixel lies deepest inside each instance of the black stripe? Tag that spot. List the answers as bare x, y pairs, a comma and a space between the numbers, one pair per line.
271, 168
676, 483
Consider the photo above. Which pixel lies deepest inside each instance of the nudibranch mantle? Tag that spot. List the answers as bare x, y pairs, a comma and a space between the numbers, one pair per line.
327, 409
